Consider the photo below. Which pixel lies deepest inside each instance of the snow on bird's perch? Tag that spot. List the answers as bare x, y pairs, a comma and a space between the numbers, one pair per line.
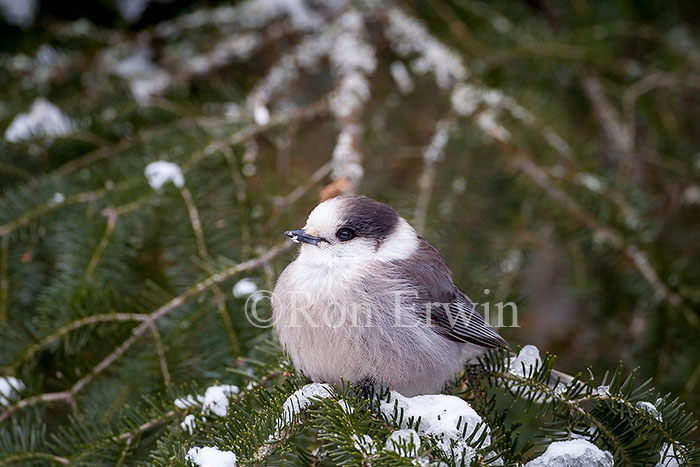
448, 419
527, 361
573, 453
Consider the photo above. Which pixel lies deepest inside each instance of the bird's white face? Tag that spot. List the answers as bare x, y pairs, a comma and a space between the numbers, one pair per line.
340, 231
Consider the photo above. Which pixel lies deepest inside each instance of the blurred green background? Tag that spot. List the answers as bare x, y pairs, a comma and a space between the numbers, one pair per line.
586, 216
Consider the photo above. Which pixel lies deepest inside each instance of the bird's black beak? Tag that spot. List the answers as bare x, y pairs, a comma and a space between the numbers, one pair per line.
299, 236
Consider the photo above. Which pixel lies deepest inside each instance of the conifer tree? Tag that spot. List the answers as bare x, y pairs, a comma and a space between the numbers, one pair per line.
149, 164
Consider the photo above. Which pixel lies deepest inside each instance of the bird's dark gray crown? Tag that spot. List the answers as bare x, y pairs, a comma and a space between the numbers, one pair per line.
368, 218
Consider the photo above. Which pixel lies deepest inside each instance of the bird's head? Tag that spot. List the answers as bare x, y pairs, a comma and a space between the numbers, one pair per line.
355, 227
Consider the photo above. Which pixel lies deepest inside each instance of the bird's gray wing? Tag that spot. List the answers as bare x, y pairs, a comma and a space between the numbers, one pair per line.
451, 313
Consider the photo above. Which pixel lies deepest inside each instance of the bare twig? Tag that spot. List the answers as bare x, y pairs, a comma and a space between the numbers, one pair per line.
4, 280
608, 117
320, 173
34, 456
432, 154
161, 354
195, 222
111, 215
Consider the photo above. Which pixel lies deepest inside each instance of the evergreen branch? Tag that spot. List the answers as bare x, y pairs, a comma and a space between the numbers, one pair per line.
14, 171
25, 457
4, 280
111, 215
573, 405
68, 328
105, 152
292, 197
129, 435
607, 233
195, 222
64, 396
48, 206
432, 154
161, 355
310, 111
220, 299
140, 330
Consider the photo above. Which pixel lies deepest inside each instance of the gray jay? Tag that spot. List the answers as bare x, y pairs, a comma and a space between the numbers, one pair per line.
369, 302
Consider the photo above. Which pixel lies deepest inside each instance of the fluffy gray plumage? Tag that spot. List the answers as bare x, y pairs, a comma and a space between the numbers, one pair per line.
379, 307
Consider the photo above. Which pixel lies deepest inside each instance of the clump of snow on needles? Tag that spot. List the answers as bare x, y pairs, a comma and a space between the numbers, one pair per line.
365, 444
403, 441
161, 172
215, 400
448, 419
301, 399
145, 78
10, 387
244, 288
189, 424
527, 361
43, 119
211, 457
651, 409
669, 456
573, 453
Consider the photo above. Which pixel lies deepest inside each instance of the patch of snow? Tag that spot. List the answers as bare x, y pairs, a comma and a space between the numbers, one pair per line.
161, 172
591, 182
691, 195
131, 10
238, 47
408, 36
43, 119
529, 358
603, 391
448, 419
300, 400
352, 59
244, 288
489, 124
261, 114
18, 12
211, 457
365, 444
465, 99
347, 162
512, 261
216, 399
188, 402
144, 77
651, 409
58, 198
668, 457
401, 77
10, 387
403, 441
189, 424
435, 151
573, 453
347, 408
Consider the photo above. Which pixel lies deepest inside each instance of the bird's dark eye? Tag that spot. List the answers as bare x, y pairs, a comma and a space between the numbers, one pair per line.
345, 234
